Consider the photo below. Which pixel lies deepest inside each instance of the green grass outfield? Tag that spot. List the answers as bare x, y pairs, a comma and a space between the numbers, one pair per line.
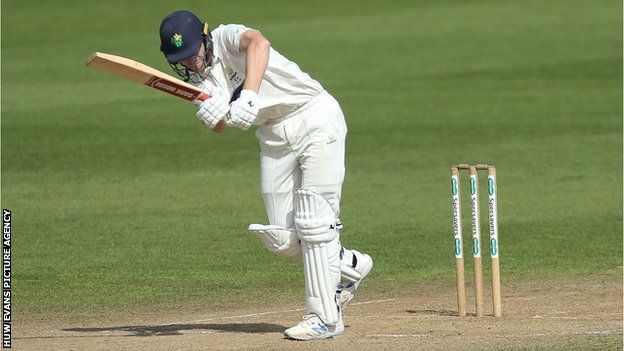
122, 199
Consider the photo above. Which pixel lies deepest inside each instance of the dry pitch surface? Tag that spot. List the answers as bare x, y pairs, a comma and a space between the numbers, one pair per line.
581, 313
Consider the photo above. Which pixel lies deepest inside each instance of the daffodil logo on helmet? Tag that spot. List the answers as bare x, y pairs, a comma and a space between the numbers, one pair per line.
177, 40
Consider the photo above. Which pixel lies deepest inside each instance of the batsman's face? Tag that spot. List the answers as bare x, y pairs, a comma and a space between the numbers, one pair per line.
196, 62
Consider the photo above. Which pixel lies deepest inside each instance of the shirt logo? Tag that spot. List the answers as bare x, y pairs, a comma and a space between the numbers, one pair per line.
232, 75
177, 40
330, 138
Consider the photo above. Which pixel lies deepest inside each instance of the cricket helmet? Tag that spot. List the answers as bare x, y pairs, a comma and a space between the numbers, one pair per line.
181, 35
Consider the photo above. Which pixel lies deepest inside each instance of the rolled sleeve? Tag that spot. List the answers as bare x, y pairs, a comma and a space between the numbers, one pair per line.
230, 36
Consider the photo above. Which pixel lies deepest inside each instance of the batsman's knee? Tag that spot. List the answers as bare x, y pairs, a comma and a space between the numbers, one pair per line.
315, 219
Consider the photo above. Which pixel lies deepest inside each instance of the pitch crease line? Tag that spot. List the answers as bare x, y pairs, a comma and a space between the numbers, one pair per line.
576, 318
597, 332
399, 335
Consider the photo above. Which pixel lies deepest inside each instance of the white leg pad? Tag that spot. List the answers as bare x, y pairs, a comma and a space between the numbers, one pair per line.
348, 273
321, 265
282, 241
315, 222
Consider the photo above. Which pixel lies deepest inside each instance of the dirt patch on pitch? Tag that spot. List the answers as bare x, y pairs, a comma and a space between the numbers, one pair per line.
583, 313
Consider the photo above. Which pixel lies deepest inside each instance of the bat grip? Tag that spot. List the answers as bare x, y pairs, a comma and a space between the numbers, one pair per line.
221, 125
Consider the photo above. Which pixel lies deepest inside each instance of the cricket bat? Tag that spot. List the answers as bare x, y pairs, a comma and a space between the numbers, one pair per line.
149, 76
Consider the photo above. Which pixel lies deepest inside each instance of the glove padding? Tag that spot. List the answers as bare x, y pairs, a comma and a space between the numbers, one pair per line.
244, 110
213, 110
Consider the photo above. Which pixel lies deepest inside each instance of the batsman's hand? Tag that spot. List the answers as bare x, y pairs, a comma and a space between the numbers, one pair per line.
213, 110
244, 110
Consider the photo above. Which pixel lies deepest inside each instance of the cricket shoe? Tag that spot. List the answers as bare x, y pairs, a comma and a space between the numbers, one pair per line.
363, 264
312, 327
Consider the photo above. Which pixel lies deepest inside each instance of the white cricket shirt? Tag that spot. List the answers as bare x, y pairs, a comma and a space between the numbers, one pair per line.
284, 87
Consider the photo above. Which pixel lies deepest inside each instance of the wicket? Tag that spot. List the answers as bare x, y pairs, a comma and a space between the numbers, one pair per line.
476, 237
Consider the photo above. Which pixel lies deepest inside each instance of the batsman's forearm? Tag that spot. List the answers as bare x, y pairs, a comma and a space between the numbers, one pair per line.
256, 63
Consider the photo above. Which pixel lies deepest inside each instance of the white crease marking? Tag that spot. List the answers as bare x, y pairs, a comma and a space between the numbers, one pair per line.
399, 335
597, 332
576, 318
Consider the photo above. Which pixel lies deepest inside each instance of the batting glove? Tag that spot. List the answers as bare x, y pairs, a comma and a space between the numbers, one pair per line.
213, 110
244, 110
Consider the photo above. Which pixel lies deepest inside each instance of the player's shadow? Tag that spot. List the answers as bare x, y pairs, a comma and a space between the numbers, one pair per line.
175, 329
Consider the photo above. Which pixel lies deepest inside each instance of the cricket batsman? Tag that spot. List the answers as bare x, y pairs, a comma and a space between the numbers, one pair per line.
302, 131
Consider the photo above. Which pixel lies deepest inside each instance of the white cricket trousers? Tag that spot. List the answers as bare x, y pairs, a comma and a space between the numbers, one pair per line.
304, 149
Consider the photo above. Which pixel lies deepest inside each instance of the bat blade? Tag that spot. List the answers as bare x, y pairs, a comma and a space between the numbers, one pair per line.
140, 73
146, 75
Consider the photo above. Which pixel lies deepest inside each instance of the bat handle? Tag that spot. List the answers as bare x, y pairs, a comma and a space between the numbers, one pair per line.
221, 125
